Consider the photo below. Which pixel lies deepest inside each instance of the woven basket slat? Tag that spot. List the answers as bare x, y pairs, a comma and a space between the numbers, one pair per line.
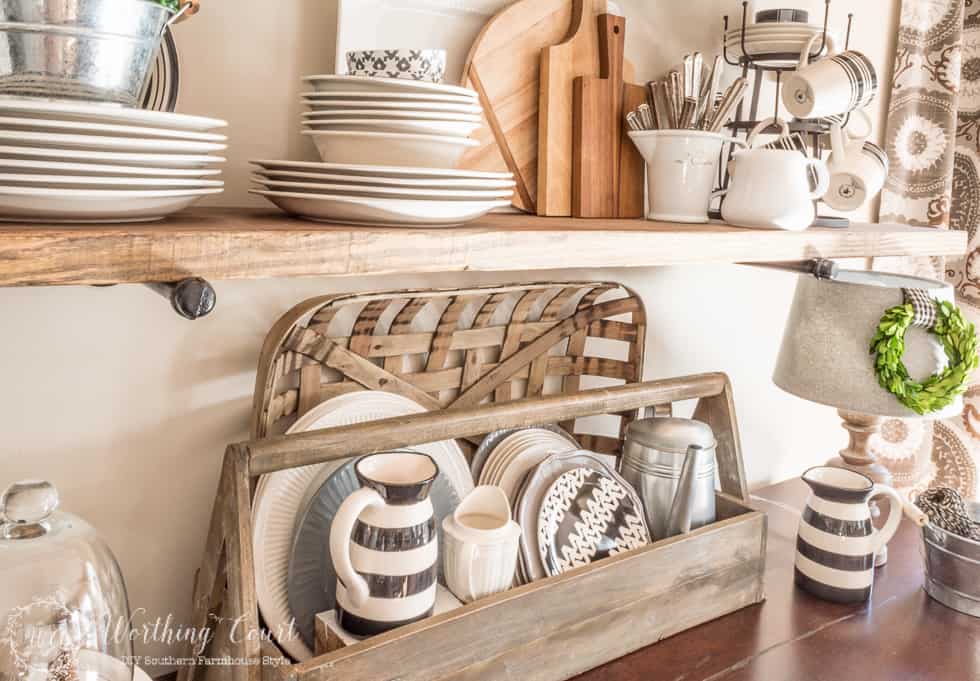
452, 349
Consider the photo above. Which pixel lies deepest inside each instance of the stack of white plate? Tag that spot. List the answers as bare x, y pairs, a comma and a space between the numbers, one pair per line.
83, 162
387, 196
390, 121
778, 44
389, 148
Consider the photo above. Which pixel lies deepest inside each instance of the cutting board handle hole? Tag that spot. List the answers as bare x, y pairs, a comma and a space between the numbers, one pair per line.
616, 30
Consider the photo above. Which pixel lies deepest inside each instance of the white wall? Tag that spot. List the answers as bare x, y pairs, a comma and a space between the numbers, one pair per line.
128, 408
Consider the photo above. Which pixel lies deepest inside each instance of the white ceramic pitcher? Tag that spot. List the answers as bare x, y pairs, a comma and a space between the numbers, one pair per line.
836, 543
384, 545
772, 188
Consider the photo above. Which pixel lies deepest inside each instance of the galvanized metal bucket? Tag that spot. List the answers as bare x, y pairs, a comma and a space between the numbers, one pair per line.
952, 564
95, 50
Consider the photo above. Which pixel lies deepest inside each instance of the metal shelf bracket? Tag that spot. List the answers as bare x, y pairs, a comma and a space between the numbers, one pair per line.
191, 298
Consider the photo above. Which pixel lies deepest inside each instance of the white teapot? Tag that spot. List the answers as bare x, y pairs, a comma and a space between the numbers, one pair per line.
773, 188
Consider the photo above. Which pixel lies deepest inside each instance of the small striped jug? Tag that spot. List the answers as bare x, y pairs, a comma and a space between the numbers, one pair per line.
384, 545
836, 543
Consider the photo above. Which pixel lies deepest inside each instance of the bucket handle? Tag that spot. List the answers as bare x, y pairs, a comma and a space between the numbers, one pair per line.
187, 8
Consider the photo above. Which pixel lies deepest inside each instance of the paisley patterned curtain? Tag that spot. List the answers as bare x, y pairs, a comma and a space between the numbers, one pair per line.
933, 143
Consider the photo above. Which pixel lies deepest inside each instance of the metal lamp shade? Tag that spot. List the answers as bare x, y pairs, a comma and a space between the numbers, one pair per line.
825, 354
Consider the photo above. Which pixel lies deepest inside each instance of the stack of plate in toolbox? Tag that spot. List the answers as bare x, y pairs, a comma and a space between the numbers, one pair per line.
389, 148
81, 162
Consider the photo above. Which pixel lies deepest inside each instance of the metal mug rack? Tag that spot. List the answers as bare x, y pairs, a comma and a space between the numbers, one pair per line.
778, 63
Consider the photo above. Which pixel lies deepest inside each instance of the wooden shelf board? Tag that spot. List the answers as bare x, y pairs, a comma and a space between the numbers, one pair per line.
244, 244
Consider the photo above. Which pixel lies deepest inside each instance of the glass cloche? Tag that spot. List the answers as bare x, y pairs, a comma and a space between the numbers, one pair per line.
64, 615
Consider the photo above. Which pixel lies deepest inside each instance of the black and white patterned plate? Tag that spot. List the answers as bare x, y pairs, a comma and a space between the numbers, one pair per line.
587, 515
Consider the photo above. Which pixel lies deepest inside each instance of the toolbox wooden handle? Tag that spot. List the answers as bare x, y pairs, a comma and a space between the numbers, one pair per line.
715, 407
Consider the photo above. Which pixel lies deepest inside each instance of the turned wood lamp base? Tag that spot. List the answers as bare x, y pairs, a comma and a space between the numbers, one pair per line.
857, 456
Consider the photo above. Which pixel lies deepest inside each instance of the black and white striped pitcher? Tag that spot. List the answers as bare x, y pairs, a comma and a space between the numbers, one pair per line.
836, 542
384, 545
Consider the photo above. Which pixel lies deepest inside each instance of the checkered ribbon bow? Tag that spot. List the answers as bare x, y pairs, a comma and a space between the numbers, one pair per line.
923, 306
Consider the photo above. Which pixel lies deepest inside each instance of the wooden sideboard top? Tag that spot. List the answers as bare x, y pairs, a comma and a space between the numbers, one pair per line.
901, 635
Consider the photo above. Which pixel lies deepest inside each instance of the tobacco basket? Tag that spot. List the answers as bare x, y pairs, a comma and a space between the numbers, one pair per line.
551, 339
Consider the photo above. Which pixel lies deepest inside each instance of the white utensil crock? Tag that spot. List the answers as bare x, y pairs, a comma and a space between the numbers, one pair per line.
481, 544
682, 169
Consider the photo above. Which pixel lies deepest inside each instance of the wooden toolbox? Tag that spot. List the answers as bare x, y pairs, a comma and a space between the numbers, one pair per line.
548, 630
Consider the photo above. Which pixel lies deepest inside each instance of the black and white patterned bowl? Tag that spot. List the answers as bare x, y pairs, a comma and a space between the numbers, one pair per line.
411, 64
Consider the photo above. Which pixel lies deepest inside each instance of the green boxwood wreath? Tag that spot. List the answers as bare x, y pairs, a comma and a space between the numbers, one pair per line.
939, 390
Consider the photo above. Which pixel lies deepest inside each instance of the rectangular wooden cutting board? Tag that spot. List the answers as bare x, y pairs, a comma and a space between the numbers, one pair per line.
504, 67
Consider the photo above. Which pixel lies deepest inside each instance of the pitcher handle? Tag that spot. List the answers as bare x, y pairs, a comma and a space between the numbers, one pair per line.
895, 509
823, 177
340, 531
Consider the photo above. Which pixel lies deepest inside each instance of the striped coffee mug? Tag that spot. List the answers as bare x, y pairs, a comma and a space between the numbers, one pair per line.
858, 170
836, 543
384, 545
836, 84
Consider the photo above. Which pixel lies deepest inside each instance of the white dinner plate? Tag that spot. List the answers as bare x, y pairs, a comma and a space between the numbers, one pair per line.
354, 104
152, 160
389, 148
371, 171
391, 192
103, 182
389, 115
535, 450
375, 212
85, 127
36, 204
104, 113
279, 495
341, 83
412, 127
30, 166
102, 142
376, 181
465, 100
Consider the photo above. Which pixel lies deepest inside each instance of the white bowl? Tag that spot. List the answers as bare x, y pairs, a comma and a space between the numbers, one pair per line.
410, 64
348, 83
416, 127
390, 149
392, 105
391, 115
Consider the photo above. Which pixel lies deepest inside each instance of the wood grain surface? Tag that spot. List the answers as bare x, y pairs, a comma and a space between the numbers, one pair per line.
577, 55
632, 169
597, 115
503, 66
250, 244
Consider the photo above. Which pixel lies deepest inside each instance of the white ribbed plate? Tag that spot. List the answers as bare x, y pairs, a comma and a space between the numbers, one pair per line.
278, 496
